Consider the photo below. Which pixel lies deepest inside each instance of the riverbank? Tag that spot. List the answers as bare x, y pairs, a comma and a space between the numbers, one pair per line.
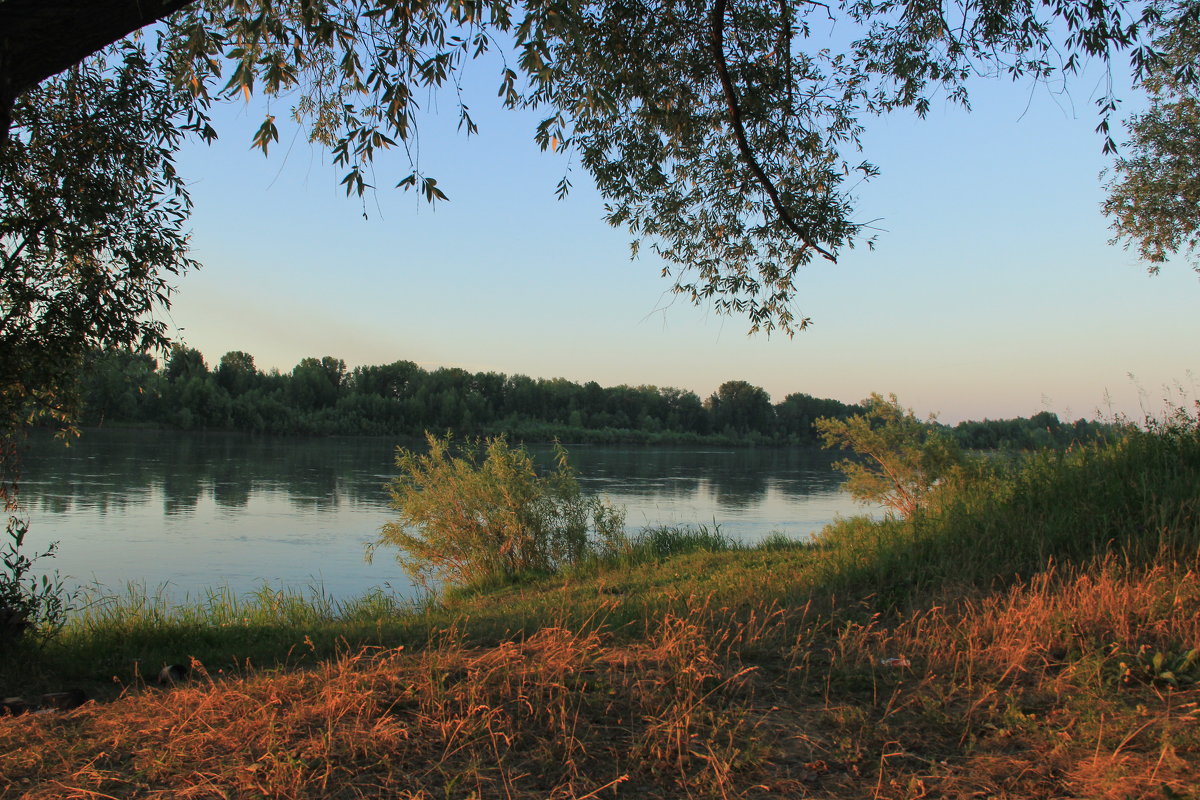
1035, 636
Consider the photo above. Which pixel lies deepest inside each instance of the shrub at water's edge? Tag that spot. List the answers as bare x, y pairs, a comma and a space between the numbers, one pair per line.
464, 522
29, 607
904, 460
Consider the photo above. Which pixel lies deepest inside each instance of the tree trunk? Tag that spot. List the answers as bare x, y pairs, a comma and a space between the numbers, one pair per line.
6, 107
40, 38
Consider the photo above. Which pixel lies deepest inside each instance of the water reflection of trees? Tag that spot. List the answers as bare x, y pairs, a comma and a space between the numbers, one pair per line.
117, 469
735, 478
231, 495
314, 487
112, 470
80, 493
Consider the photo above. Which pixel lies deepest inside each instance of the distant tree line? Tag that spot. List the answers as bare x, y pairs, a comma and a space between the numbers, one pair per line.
1043, 429
320, 396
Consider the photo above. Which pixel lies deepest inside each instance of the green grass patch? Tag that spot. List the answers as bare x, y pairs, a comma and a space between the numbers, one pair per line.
1137, 499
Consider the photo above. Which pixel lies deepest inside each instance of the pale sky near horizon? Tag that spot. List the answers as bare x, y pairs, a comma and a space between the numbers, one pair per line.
992, 292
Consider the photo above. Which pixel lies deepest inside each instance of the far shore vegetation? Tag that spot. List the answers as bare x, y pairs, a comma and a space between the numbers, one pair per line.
320, 396
1016, 627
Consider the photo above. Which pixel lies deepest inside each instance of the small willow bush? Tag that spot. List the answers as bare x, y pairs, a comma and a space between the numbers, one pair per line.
902, 460
467, 521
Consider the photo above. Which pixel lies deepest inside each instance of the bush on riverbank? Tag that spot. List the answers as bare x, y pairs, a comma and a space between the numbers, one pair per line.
29, 607
902, 461
464, 522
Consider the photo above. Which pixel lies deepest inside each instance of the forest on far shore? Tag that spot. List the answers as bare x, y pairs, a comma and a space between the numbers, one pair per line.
320, 396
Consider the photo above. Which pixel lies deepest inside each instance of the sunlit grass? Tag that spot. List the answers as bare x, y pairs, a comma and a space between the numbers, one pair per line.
1053, 687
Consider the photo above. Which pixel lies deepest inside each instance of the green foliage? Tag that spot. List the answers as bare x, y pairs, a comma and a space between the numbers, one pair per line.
796, 415
727, 135
776, 541
665, 541
236, 373
316, 383
466, 522
1042, 430
1133, 499
740, 407
92, 232
319, 396
1155, 194
1176, 667
184, 363
117, 385
905, 458
28, 606
91, 225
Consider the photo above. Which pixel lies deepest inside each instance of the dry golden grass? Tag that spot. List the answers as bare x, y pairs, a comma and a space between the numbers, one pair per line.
1050, 689
559, 714
1045, 690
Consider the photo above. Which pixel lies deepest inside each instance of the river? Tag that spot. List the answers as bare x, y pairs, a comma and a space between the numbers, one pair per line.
183, 513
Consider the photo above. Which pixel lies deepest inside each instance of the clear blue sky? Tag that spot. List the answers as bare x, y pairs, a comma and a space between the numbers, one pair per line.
992, 292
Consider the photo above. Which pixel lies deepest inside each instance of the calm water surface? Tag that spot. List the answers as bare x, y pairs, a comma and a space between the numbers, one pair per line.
196, 511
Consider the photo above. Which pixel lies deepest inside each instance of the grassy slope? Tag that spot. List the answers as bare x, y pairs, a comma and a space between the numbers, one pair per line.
1043, 620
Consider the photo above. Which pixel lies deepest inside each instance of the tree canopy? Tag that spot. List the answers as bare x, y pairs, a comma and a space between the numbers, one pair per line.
1154, 198
92, 219
724, 134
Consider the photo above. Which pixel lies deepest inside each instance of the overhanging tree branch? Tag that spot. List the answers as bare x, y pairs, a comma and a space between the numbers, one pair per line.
717, 38
40, 38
